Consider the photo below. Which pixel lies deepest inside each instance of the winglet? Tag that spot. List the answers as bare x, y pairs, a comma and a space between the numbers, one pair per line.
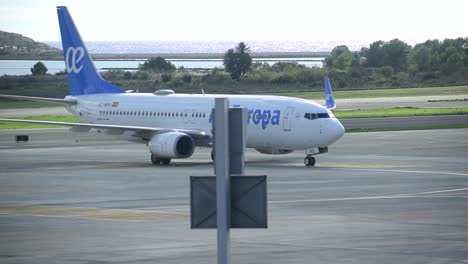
329, 100
81, 72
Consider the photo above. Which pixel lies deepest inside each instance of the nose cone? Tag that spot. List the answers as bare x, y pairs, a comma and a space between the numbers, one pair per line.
334, 131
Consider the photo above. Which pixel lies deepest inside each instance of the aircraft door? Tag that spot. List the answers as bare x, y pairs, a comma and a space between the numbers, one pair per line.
288, 115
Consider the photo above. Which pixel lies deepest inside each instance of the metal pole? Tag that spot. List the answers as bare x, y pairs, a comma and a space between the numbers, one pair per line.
223, 188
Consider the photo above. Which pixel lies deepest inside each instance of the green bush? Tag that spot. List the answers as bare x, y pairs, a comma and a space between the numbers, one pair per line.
166, 78
39, 69
187, 78
141, 75
127, 75
158, 64
285, 78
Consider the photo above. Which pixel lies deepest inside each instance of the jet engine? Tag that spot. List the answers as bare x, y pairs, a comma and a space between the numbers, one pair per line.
272, 151
171, 145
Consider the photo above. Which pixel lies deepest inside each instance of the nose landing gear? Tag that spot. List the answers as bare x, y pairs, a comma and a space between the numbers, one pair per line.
309, 161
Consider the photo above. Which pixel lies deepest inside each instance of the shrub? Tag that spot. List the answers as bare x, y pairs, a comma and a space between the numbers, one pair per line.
141, 75
39, 69
158, 64
187, 78
166, 78
284, 79
127, 75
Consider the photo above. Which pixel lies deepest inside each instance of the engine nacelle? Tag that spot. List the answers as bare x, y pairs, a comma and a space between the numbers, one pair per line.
172, 145
272, 151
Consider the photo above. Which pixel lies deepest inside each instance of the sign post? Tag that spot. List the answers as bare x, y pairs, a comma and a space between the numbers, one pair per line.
223, 184
231, 200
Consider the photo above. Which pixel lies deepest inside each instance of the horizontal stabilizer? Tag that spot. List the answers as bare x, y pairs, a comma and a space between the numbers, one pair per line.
40, 99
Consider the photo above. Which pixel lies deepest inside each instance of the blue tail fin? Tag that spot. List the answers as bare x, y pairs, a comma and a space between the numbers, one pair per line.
329, 100
81, 72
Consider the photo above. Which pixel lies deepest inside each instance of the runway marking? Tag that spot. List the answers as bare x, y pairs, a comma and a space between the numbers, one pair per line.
302, 182
415, 171
369, 164
393, 196
89, 213
445, 191
351, 165
120, 165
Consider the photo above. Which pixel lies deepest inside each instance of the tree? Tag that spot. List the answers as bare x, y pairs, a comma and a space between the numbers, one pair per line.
373, 55
393, 53
245, 61
396, 54
340, 58
237, 62
158, 64
39, 69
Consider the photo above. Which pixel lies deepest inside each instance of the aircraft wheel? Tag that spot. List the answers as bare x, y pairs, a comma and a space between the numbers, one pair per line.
155, 160
165, 161
212, 155
309, 161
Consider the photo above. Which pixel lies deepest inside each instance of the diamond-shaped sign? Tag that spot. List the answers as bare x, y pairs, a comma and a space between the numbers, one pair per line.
248, 202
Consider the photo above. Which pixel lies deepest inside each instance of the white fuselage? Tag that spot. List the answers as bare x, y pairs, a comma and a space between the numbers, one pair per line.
274, 122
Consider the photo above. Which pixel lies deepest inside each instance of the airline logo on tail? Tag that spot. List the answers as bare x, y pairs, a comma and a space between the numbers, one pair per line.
73, 56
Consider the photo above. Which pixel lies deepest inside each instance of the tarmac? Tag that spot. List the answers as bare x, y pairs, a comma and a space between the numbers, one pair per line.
381, 197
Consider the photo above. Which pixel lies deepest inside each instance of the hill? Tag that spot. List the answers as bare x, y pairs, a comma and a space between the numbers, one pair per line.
17, 46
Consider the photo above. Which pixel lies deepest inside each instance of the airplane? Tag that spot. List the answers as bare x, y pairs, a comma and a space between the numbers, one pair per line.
172, 124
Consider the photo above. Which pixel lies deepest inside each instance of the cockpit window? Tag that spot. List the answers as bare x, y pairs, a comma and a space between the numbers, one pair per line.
310, 116
323, 115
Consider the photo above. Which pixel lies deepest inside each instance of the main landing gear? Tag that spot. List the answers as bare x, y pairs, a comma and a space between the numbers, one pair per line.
309, 161
159, 161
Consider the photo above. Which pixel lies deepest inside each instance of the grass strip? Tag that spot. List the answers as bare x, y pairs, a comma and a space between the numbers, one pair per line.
357, 130
56, 118
399, 112
25, 104
377, 93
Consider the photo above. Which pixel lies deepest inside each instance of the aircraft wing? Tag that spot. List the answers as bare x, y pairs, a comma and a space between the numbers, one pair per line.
145, 132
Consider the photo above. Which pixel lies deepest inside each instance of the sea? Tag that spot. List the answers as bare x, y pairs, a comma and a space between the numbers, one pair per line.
23, 67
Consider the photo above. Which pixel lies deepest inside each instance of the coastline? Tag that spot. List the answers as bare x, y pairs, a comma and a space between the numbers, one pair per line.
191, 56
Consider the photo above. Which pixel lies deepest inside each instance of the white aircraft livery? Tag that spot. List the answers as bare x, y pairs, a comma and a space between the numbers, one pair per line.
171, 124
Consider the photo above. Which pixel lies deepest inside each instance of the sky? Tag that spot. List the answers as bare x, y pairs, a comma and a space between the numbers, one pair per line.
240, 20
